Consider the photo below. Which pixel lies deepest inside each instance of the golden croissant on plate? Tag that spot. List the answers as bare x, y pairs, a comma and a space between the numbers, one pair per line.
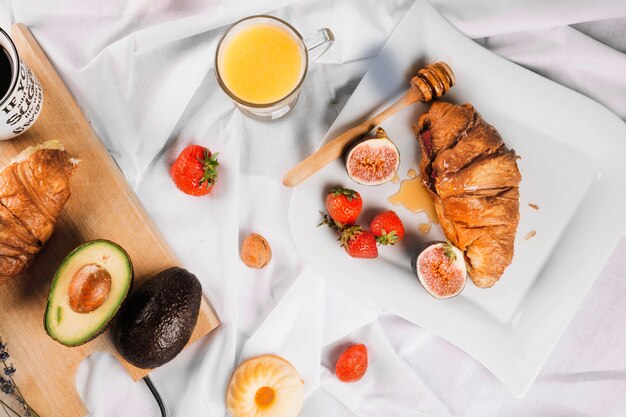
33, 190
473, 180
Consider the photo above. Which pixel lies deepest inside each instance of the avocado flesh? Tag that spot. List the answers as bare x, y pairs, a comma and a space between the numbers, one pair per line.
69, 327
157, 321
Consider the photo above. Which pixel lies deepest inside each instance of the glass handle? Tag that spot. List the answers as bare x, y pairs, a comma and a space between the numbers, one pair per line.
318, 43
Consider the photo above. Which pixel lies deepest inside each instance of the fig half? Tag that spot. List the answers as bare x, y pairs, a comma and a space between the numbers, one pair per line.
441, 269
374, 160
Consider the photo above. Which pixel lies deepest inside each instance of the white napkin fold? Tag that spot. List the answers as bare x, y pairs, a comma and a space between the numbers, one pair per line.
387, 376
5, 17
293, 330
487, 18
139, 61
124, 398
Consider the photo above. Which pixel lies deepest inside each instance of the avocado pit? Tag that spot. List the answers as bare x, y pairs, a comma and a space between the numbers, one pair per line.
89, 288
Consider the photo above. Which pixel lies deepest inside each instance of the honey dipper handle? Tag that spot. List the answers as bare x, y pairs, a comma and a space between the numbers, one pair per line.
430, 82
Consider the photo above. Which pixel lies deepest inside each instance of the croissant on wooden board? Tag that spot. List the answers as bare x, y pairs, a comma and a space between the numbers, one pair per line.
33, 190
473, 180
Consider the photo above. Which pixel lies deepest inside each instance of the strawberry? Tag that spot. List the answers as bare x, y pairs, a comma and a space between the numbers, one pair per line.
326, 220
195, 170
388, 228
352, 363
359, 242
344, 205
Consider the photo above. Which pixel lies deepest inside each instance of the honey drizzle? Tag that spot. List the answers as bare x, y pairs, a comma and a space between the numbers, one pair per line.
424, 228
414, 197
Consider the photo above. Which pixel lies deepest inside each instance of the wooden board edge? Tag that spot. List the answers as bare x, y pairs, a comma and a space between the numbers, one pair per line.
212, 319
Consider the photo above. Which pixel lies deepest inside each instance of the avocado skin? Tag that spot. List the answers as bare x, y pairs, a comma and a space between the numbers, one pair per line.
158, 319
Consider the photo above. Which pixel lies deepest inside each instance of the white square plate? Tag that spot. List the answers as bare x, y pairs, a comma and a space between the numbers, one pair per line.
572, 166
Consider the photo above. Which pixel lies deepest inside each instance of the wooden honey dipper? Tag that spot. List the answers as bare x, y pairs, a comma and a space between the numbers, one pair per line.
431, 82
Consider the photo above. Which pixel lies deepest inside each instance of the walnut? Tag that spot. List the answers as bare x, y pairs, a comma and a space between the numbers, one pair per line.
256, 252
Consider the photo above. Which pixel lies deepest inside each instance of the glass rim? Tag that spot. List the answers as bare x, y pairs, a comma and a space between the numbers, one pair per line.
241, 101
15, 68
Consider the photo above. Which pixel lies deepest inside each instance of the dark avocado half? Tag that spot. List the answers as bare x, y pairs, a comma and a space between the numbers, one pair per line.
86, 292
157, 321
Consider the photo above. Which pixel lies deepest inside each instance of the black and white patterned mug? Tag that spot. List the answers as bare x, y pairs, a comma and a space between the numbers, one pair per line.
21, 95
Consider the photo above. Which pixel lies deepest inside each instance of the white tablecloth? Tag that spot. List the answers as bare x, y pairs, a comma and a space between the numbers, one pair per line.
142, 72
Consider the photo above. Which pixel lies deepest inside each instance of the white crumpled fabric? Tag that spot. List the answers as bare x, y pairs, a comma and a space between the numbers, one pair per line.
142, 72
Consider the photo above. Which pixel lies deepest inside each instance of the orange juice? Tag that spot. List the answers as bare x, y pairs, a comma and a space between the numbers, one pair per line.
261, 63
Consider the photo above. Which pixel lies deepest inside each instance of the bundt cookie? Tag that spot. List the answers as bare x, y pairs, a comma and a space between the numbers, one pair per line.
265, 386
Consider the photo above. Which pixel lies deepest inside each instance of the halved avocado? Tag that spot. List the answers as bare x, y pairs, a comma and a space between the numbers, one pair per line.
87, 291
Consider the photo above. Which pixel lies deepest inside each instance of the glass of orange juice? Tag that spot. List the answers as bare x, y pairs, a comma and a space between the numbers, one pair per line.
261, 63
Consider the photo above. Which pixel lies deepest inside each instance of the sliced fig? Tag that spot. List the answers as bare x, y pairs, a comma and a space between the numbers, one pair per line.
373, 160
441, 269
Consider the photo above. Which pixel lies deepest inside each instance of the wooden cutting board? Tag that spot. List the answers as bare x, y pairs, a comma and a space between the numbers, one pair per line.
102, 206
